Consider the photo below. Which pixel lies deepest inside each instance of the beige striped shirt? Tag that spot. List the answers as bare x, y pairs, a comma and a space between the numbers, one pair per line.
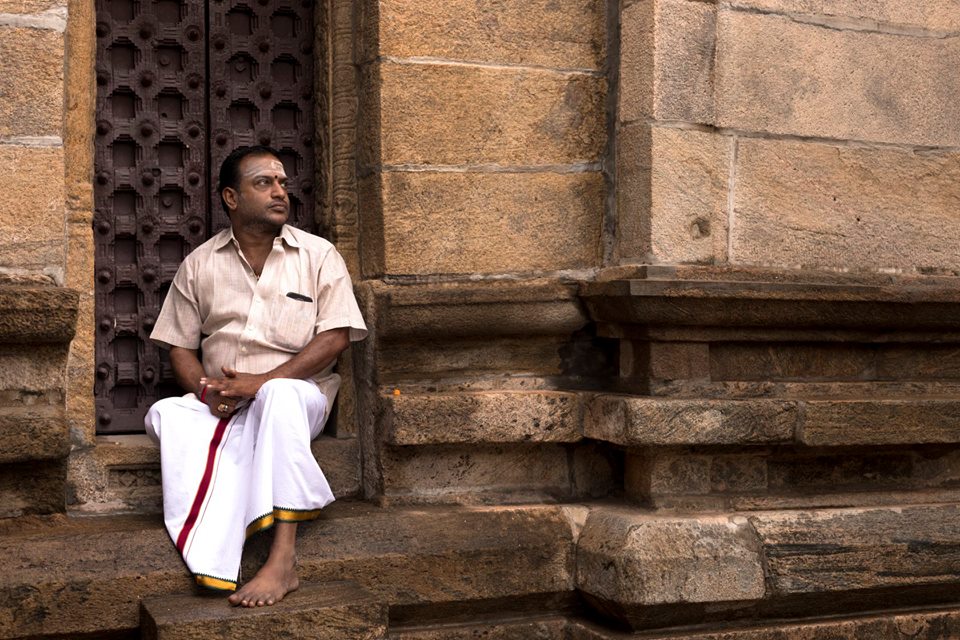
217, 303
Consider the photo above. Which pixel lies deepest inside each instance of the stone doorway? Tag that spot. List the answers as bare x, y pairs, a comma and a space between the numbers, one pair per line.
180, 83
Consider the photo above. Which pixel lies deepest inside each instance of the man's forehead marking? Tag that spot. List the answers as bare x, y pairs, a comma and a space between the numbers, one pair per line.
257, 167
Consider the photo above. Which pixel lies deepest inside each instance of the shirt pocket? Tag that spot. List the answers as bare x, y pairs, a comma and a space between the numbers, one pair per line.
292, 323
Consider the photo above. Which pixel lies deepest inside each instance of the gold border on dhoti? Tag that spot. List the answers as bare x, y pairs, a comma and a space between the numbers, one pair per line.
280, 514
215, 583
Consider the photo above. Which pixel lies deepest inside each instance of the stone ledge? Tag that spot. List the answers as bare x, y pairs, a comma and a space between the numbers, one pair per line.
33, 432
483, 417
901, 625
72, 576
642, 421
325, 611
638, 421
908, 305
22, 307
472, 309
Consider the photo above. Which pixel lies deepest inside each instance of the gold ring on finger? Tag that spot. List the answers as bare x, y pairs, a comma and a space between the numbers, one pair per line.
223, 407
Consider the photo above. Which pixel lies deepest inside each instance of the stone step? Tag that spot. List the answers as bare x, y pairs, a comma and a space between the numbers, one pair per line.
70, 576
445, 567
318, 611
935, 624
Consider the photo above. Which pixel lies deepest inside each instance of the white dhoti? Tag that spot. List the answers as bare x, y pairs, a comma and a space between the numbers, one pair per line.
224, 480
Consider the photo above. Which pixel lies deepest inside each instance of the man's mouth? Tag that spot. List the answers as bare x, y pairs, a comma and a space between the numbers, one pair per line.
279, 206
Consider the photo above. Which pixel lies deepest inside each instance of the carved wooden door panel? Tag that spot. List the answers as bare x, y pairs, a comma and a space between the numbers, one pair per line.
180, 83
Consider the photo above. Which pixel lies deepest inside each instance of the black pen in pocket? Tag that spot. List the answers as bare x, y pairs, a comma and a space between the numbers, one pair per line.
300, 297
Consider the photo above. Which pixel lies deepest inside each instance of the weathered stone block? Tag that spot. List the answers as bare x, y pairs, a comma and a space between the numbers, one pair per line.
483, 417
325, 611
455, 115
874, 15
688, 208
683, 217
32, 488
634, 146
26, 7
31, 96
32, 374
658, 474
532, 355
772, 361
777, 75
459, 223
541, 33
628, 560
32, 233
21, 306
818, 205
666, 66
478, 473
684, 60
849, 549
833, 473
637, 61
33, 433
339, 458
643, 421
879, 422
665, 360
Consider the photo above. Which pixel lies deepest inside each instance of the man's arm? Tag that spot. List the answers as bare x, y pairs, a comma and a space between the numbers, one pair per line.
319, 353
189, 374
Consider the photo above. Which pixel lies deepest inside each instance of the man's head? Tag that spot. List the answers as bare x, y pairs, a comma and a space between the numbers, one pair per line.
253, 178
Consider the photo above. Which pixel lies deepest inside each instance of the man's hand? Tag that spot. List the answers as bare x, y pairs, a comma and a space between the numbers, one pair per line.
219, 405
234, 385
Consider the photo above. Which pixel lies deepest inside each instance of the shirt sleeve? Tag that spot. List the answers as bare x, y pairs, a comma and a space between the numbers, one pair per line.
336, 305
179, 322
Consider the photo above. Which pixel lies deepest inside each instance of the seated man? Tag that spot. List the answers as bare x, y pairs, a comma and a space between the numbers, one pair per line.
271, 307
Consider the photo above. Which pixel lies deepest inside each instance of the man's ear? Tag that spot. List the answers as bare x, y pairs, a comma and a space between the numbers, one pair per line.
229, 195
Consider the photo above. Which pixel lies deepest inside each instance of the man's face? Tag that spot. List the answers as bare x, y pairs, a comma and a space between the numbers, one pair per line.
261, 197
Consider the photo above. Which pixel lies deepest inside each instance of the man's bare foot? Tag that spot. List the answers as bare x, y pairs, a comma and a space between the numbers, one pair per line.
275, 579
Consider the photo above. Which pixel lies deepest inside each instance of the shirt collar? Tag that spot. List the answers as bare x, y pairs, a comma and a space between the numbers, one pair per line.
225, 237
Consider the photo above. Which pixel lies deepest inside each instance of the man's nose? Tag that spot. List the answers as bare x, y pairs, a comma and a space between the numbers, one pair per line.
278, 189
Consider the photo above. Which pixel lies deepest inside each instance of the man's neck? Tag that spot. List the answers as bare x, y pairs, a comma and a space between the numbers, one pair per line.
255, 244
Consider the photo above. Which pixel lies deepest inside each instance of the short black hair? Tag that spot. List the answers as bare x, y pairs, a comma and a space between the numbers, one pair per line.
230, 169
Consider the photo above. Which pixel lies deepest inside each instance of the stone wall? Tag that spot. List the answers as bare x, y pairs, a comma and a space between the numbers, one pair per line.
482, 129
788, 133
46, 255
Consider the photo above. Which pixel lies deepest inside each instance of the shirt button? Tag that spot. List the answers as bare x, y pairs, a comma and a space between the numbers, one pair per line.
243, 349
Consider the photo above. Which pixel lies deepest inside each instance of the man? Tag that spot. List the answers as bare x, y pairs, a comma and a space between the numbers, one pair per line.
270, 307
